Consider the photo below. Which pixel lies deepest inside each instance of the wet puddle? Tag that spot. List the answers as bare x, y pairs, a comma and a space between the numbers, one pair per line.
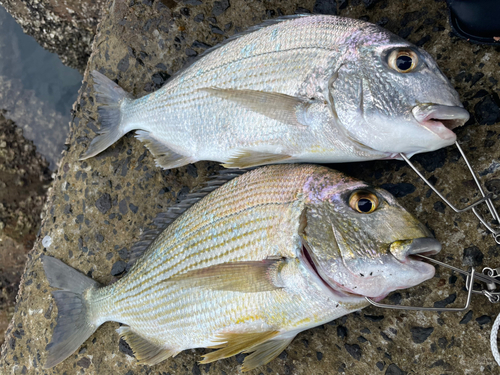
38, 91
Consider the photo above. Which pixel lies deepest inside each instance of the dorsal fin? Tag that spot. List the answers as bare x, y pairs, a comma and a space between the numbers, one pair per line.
164, 219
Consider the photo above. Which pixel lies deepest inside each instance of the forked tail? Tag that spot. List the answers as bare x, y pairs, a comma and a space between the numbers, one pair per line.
73, 324
110, 96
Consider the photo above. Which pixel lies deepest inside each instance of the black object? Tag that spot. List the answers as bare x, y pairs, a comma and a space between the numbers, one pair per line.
478, 21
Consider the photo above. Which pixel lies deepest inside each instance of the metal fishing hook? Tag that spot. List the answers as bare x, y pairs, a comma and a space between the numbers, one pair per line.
473, 206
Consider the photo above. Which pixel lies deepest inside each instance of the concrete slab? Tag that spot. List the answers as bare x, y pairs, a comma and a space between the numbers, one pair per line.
98, 208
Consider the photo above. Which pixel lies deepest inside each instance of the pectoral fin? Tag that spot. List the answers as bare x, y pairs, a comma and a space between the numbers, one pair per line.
244, 277
264, 353
144, 350
237, 342
248, 158
277, 106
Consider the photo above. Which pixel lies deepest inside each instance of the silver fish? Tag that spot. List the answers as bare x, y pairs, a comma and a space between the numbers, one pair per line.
301, 89
269, 254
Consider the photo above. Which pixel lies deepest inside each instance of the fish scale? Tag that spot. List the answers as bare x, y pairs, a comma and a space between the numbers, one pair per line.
265, 256
136, 299
174, 244
301, 89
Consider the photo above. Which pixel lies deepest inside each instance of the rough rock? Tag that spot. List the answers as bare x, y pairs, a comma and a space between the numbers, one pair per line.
24, 177
137, 40
63, 27
420, 334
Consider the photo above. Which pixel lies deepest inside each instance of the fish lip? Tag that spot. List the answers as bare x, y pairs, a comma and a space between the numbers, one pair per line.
308, 260
425, 246
440, 119
405, 250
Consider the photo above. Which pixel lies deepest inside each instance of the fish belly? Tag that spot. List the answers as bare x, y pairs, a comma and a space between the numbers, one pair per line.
178, 318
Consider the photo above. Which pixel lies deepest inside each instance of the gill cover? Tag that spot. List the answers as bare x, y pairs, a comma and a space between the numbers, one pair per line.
365, 253
377, 87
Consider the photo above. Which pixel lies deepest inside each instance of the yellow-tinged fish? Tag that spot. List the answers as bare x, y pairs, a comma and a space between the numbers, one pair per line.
317, 89
267, 255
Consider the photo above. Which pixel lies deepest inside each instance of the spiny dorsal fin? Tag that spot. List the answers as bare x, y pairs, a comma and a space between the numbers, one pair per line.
164, 156
264, 353
281, 107
164, 219
244, 277
144, 350
234, 343
248, 158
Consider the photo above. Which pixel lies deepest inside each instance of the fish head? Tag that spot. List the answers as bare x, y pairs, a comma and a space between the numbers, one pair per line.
390, 96
359, 241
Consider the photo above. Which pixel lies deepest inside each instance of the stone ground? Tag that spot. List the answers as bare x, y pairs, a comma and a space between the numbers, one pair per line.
24, 178
97, 208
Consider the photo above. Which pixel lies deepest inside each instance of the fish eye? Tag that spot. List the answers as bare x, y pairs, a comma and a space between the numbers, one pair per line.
403, 60
363, 201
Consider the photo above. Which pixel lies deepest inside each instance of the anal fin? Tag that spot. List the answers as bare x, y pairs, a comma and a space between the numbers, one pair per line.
164, 156
264, 353
248, 158
144, 350
237, 342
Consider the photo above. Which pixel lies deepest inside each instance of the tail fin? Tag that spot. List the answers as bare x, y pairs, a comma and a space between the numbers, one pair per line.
73, 326
110, 95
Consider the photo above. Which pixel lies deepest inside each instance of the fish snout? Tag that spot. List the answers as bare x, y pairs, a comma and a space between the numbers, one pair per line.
402, 249
440, 119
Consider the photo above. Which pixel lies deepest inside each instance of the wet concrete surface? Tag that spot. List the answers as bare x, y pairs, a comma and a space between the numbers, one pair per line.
97, 208
38, 91
62, 27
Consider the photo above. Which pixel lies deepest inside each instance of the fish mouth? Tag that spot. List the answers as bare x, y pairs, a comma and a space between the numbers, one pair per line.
338, 290
406, 250
441, 119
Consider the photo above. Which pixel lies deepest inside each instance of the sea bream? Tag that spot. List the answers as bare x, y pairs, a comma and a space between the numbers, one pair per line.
267, 255
322, 89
